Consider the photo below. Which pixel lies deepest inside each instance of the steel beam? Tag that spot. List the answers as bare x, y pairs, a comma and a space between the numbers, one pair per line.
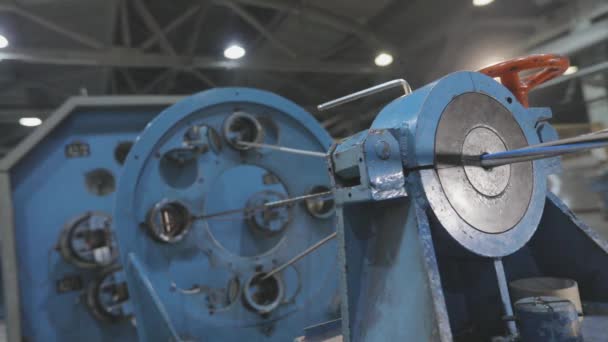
134, 58
77, 37
202, 77
157, 81
325, 18
577, 40
177, 22
153, 26
129, 80
251, 20
125, 27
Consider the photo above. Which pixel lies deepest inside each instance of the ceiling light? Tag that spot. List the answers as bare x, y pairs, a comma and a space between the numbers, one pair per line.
480, 3
234, 52
383, 59
30, 122
571, 70
3, 42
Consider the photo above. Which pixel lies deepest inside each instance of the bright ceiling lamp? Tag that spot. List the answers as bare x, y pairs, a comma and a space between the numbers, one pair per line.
30, 122
383, 59
234, 52
571, 70
3, 42
480, 3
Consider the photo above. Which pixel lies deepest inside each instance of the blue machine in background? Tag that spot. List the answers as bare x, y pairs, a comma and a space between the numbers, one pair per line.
434, 247
60, 260
198, 231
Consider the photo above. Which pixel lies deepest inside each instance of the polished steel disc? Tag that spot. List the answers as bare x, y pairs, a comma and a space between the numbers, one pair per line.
491, 200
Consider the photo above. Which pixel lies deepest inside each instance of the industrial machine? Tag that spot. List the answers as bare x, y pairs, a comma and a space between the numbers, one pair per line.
214, 197
62, 279
446, 229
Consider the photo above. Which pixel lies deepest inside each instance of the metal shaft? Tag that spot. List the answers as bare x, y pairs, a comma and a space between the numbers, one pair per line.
283, 149
301, 255
504, 295
536, 152
366, 92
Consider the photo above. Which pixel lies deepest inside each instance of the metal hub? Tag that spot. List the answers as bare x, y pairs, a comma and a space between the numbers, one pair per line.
269, 221
263, 295
107, 297
87, 241
256, 230
490, 182
489, 200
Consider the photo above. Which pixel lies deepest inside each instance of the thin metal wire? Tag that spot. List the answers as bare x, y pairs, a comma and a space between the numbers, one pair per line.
264, 206
301, 255
283, 149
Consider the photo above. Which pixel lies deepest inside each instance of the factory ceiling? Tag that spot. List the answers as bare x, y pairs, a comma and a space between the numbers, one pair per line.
307, 50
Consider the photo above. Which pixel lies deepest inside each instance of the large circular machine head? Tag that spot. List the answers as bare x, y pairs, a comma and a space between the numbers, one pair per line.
193, 221
488, 201
490, 211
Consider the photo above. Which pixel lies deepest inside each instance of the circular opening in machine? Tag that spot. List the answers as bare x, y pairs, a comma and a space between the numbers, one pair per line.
100, 182
106, 297
263, 294
87, 241
122, 151
203, 138
179, 167
323, 206
168, 221
242, 127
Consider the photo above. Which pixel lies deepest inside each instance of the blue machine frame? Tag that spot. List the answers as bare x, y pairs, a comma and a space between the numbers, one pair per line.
194, 284
413, 269
44, 186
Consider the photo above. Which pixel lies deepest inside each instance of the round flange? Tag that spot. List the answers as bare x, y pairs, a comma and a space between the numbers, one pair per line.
242, 126
480, 206
270, 221
87, 241
168, 221
489, 182
106, 297
263, 295
260, 229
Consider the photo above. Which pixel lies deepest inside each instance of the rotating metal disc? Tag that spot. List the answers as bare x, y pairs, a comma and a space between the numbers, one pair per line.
490, 200
491, 212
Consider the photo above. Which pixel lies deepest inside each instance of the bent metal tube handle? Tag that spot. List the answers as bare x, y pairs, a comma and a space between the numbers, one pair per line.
366, 92
553, 66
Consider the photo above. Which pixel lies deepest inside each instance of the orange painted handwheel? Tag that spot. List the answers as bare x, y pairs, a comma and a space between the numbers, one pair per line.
553, 66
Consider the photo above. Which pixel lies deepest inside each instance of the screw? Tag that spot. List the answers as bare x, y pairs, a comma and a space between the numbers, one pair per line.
383, 150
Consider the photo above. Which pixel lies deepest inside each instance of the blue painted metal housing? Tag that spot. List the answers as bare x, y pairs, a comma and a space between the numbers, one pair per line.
66, 169
413, 269
195, 275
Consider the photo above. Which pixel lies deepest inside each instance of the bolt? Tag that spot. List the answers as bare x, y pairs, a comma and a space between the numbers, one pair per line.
383, 150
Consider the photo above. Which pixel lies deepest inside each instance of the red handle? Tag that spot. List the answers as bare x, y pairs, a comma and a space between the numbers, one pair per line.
553, 66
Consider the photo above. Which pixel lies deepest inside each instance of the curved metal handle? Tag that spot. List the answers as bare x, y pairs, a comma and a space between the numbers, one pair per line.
366, 92
552, 66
